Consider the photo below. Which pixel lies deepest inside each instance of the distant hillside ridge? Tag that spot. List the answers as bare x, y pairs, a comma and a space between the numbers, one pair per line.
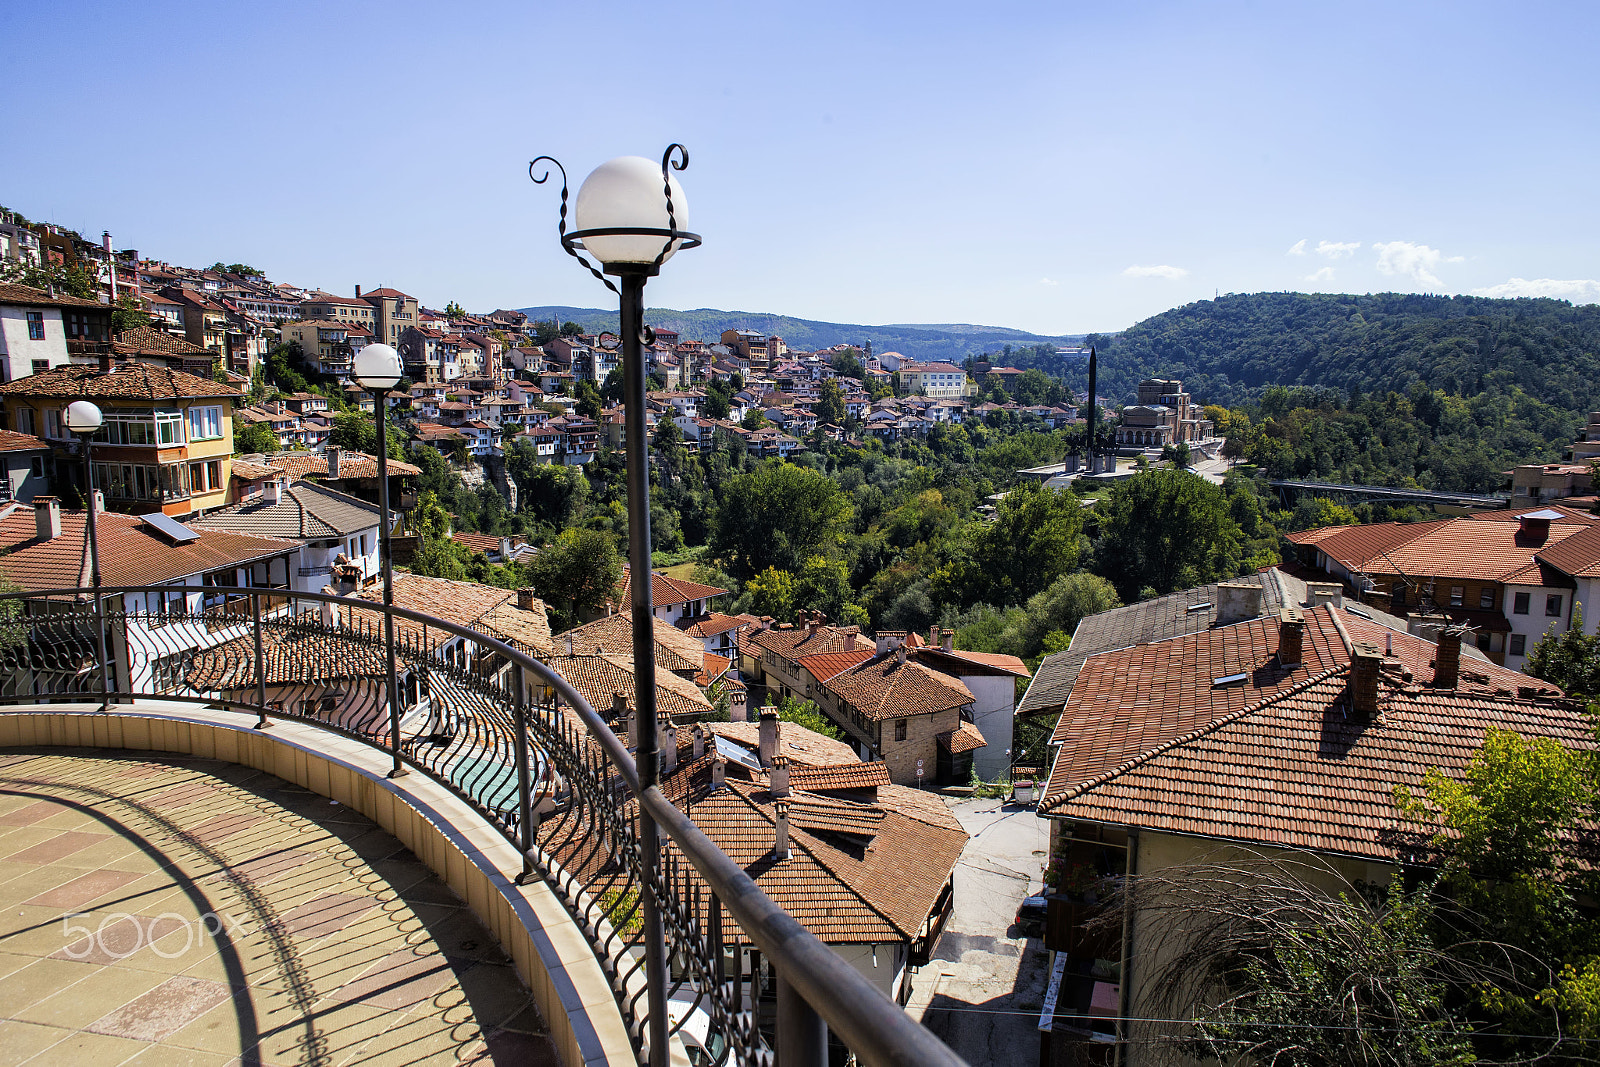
953, 341
1229, 350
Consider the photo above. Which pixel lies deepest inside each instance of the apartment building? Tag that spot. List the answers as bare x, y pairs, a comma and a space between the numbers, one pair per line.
936, 380
394, 313
35, 328
327, 306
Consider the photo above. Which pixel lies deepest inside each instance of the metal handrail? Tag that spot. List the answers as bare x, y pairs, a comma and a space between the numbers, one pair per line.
602, 802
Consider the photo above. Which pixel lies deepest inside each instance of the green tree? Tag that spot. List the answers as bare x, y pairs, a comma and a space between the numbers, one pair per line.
126, 314
777, 515
357, 431
1570, 659
754, 419
437, 555
806, 713
589, 404
716, 405
1165, 529
1032, 542
576, 574
611, 389
454, 310
68, 279
254, 437
771, 593
571, 329
830, 404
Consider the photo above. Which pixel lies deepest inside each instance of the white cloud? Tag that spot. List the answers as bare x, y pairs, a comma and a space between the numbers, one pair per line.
1297, 249
1322, 276
1048, 281
1579, 291
1337, 249
1163, 271
1412, 260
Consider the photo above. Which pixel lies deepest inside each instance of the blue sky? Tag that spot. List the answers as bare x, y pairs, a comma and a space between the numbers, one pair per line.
1058, 167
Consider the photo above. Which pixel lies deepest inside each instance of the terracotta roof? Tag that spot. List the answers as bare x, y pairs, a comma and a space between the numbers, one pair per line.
715, 623
966, 738
251, 472
598, 678
824, 665
1577, 556
613, 635
712, 667
665, 591
1490, 547
132, 552
293, 657
801, 745
996, 663
382, 293
1296, 772
793, 644
150, 339
298, 465
1136, 700
847, 777
884, 688
11, 293
306, 511
484, 608
12, 441
125, 381
483, 544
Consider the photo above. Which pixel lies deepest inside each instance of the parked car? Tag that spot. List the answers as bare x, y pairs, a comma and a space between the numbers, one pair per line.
1030, 917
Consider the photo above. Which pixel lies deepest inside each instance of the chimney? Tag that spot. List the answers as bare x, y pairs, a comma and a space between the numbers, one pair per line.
699, 734
1366, 660
107, 361
526, 599
333, 463
813, 623
778, 777
1320, 593
619, 703
98, 501
768, 735
47, 517
274, 491
719, 771
949, 642
780, 847
358, 292
899, 654
933, 637
766, 622
1237, 601
1447, 660
669, 747
1291, 636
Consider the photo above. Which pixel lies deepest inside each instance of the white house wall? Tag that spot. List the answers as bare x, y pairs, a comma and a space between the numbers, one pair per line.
993, 712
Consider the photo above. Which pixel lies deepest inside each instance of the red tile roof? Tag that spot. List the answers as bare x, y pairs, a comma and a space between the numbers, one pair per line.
995, 662
824, 665
613, 635
715, 623
884, 688
965, 738
846, 777
1577, 556
12, 441
1491, 548
298, 465
665, 591
126, 381
149, 339
11, 293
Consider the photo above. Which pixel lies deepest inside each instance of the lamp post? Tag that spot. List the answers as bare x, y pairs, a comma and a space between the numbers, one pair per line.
629, 217
83, 419
377, 370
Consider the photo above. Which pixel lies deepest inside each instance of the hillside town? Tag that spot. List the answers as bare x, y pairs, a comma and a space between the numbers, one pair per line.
854, 766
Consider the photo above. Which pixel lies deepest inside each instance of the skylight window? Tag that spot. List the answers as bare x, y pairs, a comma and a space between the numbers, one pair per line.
1230, 679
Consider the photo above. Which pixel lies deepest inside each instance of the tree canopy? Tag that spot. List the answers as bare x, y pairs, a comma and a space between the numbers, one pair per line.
777, 515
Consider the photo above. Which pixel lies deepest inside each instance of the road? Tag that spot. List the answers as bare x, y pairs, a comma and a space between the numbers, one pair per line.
981, 993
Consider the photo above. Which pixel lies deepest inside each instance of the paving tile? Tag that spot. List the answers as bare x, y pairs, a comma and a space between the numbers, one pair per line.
38, 980
400, 980
117, 937
82, 889
20, 1041
81, 1049
522, 1049
167, 1008
29, 814
327, 914
57, 846
221, 827
81, 1003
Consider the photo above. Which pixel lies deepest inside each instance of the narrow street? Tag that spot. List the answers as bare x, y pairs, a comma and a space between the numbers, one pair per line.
981, 993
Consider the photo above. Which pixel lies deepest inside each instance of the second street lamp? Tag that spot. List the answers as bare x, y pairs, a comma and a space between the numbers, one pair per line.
630, 216
83, 419
377, 370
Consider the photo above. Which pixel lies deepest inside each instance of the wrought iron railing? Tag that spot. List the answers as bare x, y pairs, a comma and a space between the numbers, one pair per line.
510, 736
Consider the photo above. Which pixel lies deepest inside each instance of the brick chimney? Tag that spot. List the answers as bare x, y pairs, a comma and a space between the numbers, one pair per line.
1366, 660
768, 735
1291, 636
358, 292
525, 598
780, 846
47, 517
719, 771
778, 777
333, 463
669, 747
1447, 660
949, 643
699, 734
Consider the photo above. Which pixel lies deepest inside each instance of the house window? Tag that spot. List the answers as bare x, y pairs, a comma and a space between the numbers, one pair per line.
36, 326
52, 424
167, 672
1519, 644
37, 466
900, 729
1519, 604
1397, 594
24, 420
1552, 605
1486, 597
40, 366
1457, 593
205, 424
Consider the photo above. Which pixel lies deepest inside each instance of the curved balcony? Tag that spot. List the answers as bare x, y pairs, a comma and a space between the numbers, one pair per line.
496, 773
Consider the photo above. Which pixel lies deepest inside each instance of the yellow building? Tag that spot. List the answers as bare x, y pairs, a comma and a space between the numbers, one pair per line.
166, 443
935, 380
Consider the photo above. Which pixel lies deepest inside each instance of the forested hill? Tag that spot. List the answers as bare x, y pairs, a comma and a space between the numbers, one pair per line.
1229, 349
953, 341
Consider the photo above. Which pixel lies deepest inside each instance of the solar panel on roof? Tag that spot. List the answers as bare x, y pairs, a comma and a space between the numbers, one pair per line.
170, 528
732, 750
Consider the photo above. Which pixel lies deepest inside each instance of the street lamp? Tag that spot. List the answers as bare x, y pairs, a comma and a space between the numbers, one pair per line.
630, 216
83, 418
377, 370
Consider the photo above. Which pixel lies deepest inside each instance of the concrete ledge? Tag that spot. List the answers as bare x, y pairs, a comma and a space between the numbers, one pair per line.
472, 857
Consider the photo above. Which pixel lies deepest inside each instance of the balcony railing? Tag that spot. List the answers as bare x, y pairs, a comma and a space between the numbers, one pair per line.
509, 736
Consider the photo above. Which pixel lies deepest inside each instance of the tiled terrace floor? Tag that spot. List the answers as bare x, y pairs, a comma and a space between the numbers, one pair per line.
169, 910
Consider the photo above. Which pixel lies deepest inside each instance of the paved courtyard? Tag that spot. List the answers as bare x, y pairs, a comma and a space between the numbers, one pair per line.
168, 910
983, 989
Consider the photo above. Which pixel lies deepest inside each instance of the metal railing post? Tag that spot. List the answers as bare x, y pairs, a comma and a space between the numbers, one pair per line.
386, 561
261, 662
644, 647
94, 578
524, 787
802, 1035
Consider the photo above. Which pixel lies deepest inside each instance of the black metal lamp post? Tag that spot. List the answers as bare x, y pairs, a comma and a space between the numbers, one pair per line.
629, 216
377, 370
83, 418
